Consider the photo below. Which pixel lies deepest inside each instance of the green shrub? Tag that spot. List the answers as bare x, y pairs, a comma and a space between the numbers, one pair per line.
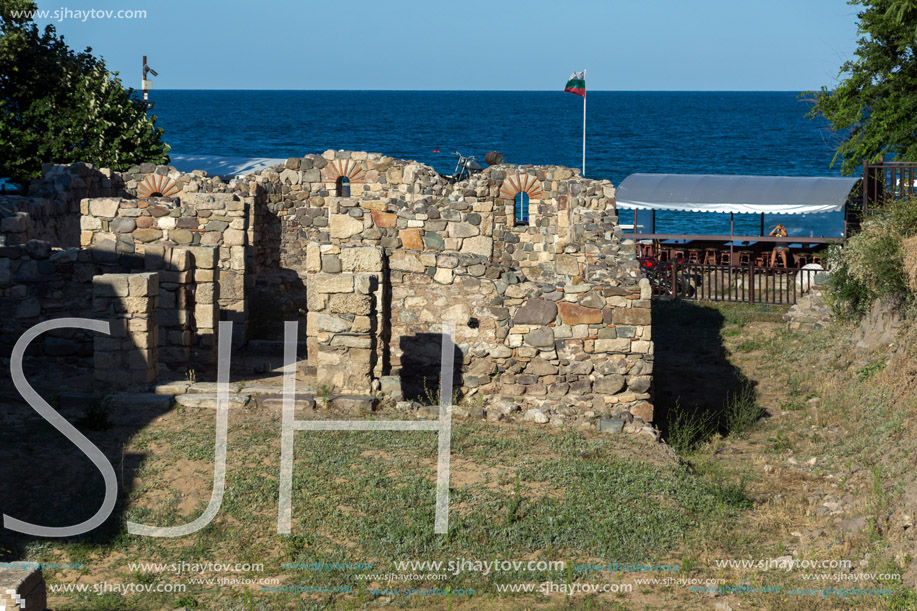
870, 265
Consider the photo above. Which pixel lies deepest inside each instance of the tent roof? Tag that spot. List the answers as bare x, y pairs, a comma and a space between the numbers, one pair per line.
222, 166
739, 194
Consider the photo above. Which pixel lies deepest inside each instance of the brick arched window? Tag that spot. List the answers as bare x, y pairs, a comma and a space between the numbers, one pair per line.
521, 208
342, 186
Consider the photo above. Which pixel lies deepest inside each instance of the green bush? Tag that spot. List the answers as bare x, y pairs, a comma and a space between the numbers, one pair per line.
870, 265
58, 105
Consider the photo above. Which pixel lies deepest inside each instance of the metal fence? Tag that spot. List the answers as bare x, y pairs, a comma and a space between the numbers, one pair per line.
885, 182
734, 283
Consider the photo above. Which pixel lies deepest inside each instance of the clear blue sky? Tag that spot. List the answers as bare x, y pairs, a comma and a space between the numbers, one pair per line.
471, 44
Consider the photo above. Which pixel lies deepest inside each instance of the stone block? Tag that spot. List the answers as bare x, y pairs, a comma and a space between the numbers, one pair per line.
410, 239
566, 265
407, 262
343, 226
28, 308
22, 589
609, 385
331, 264
350, 304
542, 337
540, 367
204, 315
443, 276
106, 208
331, 283
463, 230
147, 235
643, 410
433, 240
143, 285
87, 223
384, 220
313, 257
632, 316
361, 324
642, 347
610, 425
181, 236
536, 312
361, 259
574, 314
234, 237
331, 324
612, 345
479, 245
122, 225
639, 384
351, 341
110, 285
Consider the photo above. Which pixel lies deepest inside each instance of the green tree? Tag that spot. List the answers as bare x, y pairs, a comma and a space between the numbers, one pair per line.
875, 104
61, 106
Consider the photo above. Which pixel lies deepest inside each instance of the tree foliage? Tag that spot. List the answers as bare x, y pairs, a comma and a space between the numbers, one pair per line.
875, 102
61, 106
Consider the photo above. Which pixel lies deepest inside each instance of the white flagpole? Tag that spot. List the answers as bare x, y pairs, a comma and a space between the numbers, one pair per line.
584, 124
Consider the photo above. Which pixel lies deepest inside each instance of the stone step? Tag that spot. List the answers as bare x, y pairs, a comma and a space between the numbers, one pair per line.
22, 588
275, 401
151, 401
209, 400
354, 403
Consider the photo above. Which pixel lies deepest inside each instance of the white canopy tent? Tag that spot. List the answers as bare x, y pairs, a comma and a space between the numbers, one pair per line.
734, 194
229, 167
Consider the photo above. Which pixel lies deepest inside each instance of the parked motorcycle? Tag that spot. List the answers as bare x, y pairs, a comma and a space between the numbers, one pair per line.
464, 168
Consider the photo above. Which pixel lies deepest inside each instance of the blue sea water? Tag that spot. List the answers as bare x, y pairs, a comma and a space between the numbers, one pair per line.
764, 133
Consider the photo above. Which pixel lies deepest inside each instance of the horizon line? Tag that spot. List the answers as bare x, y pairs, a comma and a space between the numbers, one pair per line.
152, 91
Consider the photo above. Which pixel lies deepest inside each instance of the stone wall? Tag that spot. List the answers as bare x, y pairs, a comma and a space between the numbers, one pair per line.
126, 358
38, 283
196, 220
375, 253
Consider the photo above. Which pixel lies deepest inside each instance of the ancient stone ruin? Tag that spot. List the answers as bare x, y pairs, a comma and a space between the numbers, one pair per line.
371, 254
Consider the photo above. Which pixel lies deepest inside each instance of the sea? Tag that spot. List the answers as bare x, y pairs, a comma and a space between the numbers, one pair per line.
723, 132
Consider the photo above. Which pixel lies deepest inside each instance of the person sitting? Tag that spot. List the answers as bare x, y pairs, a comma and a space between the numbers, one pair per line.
782, 249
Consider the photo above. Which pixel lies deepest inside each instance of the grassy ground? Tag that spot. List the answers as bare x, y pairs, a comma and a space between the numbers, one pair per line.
745, 487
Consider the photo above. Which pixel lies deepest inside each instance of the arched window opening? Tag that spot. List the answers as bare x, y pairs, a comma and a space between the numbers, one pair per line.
342, 186
521, 208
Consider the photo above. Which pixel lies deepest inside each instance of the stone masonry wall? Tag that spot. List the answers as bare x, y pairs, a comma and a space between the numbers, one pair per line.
127, 358
376, 252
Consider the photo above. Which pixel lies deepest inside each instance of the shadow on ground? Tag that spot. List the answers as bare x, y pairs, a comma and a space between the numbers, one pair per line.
695, 384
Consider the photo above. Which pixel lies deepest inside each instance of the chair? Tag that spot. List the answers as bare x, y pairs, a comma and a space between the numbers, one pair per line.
710, 256
725, 258
677, 253
801, 259
694, 255
745, 257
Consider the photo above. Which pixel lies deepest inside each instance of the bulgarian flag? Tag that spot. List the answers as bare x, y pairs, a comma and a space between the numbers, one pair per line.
577, 83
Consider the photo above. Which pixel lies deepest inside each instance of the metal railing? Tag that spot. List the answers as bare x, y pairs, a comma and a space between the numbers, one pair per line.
732, 283
884, 182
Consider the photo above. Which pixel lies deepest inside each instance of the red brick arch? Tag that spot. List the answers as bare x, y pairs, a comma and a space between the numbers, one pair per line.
156, 184
343, 167
521, 183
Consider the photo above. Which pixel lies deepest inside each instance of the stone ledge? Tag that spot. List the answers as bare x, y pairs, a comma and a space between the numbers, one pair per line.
22, 589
